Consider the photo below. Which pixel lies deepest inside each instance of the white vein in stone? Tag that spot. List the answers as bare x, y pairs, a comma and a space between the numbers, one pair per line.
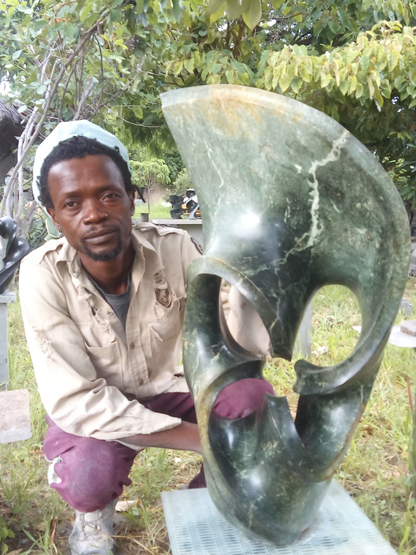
333, 155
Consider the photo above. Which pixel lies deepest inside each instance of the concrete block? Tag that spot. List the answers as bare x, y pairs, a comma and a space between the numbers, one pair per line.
14, 416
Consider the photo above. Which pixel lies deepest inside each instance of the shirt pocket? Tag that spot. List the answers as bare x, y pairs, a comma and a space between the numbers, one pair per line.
107, 363
165, 335
169, 320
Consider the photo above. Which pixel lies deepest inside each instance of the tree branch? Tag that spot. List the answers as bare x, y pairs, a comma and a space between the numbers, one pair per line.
48, 103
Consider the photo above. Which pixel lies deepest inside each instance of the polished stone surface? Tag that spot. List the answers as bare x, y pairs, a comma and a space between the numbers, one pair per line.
12, 250
291, 202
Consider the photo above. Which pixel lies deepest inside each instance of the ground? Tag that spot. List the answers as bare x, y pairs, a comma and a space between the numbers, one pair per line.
375, 471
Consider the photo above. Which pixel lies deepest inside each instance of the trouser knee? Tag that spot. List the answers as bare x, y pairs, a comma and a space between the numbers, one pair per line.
88, 473
241, 398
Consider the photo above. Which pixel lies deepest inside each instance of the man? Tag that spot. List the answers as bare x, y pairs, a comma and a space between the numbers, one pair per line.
103, 311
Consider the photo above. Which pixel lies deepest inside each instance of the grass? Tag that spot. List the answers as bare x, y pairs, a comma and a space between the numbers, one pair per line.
157, 211
375, 470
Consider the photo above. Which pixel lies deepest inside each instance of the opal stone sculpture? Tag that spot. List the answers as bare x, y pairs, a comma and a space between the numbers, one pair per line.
12, 250
290, 202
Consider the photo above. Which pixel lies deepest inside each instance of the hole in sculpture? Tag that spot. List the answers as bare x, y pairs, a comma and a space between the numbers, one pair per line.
243, 321
335, 313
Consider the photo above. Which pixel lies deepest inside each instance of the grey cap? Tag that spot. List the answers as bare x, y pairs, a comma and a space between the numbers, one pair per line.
66, 130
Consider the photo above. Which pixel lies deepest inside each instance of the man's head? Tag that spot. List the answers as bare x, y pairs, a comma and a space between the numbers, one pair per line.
85, 185
80, 147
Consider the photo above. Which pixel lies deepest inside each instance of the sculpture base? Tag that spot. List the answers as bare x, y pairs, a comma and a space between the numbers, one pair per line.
196, 528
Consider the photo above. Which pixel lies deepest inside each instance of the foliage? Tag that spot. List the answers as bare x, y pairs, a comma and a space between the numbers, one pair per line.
109, 62
182, 183
149, 173
175, 165
37, 232
5, 534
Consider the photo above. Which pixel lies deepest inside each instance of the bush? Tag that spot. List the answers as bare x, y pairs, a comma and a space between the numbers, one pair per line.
182, 183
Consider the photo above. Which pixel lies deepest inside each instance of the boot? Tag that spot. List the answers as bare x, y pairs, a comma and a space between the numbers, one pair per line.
92, 532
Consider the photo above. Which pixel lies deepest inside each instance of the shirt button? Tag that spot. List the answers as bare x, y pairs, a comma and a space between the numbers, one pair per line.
132, 345
140, 382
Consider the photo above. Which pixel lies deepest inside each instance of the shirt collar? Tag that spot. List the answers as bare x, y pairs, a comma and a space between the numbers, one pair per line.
68, 257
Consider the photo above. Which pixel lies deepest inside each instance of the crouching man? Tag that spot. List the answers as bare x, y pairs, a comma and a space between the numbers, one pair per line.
103, 312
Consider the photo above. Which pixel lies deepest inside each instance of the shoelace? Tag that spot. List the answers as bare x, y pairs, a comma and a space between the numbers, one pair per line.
94, 528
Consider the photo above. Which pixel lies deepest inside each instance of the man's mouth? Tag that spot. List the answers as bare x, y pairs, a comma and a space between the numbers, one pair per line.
101, 236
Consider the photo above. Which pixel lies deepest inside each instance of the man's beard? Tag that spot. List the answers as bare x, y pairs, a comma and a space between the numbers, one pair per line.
106, 256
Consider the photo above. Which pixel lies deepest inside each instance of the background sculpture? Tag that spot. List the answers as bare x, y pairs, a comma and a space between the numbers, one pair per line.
12, 250
315, 208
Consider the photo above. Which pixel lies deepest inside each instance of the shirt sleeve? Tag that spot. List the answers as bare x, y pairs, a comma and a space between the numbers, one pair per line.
190, 249
76, 399
244, 323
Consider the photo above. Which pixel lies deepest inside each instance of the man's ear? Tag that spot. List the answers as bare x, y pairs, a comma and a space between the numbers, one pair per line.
51, 212
131, 197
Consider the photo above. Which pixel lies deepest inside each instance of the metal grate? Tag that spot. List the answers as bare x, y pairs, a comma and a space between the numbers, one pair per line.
341, 528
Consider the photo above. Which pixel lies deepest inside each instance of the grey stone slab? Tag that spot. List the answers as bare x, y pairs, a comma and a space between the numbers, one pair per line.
340, 528
14, 416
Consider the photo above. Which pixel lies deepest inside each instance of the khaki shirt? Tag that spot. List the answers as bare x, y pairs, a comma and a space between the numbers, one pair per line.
87, 367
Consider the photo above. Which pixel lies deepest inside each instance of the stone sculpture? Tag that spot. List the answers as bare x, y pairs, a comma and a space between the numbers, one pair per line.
290, 202
12, 250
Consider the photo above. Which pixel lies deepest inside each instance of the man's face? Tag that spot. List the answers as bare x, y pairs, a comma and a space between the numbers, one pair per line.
91, 206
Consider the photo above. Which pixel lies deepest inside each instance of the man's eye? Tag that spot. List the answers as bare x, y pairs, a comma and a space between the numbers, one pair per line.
71, 204
112, 195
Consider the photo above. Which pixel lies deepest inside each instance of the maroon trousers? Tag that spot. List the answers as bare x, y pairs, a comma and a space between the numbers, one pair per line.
92, 472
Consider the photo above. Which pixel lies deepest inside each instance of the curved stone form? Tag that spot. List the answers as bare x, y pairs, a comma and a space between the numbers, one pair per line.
15, 249
291, 202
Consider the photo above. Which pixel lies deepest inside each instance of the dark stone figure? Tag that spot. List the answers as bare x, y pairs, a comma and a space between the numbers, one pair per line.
176, 202
291, 202
16, 249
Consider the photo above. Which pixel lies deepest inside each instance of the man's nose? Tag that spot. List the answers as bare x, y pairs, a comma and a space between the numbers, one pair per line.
93, 212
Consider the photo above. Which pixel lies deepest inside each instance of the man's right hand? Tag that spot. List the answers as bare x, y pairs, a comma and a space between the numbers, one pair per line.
184, 437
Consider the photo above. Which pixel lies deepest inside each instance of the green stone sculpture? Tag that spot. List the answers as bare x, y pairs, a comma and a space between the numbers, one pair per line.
290, 202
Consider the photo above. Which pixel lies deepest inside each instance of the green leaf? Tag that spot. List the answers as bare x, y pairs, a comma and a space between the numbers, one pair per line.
177, 9
138, 112
83, 14
197, 59
233, 9
299, 17
177, 68
353, 84
360, 90
189, 65
344, 86
16, 54
394, 58
214, 6
378, 98
253, 15
296, 84
304, 73
370, 86
230, 77
325, 79
285, 81
216, 69
116, 3
116, 15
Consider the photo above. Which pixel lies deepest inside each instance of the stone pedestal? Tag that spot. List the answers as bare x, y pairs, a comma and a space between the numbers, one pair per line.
340, 528
6, 298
